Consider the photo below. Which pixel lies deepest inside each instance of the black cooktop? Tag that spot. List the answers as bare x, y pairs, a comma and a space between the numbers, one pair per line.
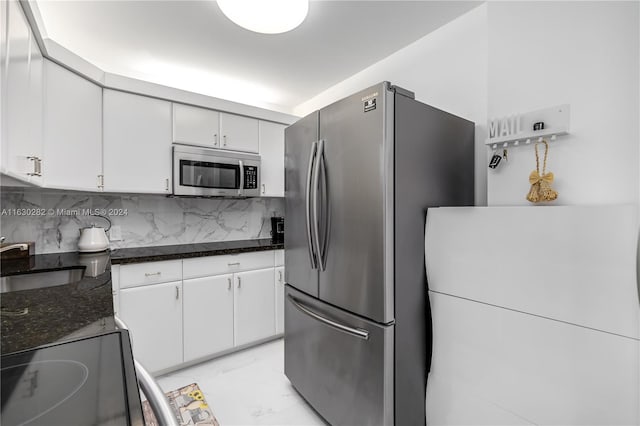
90, 381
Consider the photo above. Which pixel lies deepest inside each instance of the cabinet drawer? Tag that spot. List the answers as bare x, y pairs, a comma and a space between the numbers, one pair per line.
225, 264
150, 273
279, 257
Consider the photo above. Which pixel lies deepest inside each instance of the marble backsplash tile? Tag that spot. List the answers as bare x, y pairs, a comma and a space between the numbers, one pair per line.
145, 220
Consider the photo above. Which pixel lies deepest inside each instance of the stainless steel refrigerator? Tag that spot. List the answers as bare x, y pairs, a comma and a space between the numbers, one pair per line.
360, 175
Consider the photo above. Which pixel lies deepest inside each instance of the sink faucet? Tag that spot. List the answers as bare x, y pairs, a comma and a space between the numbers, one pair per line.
21, 246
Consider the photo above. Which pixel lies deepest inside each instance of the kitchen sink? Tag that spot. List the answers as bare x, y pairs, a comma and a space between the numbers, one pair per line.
40, 280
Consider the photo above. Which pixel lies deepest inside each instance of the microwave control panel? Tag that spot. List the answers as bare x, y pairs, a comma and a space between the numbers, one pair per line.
250, 177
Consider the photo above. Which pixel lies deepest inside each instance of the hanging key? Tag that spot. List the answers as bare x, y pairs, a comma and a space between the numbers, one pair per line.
504, 155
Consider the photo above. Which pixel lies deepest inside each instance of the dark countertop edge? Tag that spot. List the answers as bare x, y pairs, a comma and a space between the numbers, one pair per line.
193, 250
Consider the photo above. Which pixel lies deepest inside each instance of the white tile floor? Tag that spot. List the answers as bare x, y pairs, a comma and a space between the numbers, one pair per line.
247, 388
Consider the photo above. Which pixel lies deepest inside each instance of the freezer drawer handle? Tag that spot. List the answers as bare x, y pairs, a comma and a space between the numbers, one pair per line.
357, 332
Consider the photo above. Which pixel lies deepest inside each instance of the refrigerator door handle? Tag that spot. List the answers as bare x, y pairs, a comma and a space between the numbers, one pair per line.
312, 255
356, 332
322, 250
316, 182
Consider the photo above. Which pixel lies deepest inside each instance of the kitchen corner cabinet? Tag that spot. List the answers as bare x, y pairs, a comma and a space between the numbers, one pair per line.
272, 159
254, 315
72, 130
239, 133
153, 314
279, 279
22, 154
208, 316
136, 143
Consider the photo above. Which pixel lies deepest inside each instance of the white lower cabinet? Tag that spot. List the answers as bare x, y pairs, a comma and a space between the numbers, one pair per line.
279, 299
192, 316
254, 313
153, 314
208, 316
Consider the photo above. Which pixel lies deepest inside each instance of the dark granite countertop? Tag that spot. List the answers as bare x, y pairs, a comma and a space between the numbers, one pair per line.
54, 312
183, 251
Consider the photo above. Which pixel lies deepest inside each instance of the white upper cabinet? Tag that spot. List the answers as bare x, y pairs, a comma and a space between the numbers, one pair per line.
72, 130
272, 159
196, 126
136, 143
239, 133
21, 99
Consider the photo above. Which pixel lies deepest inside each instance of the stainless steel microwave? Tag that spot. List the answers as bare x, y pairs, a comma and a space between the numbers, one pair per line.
214, 172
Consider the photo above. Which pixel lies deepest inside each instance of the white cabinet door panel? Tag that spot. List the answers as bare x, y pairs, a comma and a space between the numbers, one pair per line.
137, 143
272, 159
73, 130
254, 305
239, 133
21, 99
279, 300
208, 316
196, 126
154, 317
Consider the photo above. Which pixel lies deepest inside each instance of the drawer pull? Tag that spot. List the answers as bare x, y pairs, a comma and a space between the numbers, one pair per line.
229, 281
177, 292
234, 264
239, 284
280, 276
153, 274
356, 332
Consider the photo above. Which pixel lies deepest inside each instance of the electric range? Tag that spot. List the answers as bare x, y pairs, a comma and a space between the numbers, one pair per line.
89, 381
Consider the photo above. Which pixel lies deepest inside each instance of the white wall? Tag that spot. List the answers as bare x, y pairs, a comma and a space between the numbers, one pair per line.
446, 69
585, 54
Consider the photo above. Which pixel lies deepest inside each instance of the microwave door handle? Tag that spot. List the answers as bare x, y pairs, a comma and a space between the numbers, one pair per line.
241, 189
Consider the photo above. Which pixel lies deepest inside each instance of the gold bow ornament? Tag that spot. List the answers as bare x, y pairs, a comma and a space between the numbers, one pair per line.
541, 183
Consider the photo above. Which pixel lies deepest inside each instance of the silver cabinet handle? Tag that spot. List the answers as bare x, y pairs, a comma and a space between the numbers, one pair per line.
316, 182
166, 185
147, 274
177, 292
264, 189
229, 281
239, 283
100, 181
280, 276
215, 139
312, 256
224, 140
356, 332
234, 264
37, 166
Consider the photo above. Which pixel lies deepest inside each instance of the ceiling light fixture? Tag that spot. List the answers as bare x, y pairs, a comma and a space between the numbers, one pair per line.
266, 16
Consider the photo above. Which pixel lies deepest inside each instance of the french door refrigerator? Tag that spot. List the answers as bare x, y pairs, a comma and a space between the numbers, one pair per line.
360, 175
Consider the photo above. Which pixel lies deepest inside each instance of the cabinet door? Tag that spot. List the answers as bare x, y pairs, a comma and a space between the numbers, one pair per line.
154, 316
254, 306
196, 126
22, 99
272, 159
279, 300
136, 144
239, 133
73, 130
208, 316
